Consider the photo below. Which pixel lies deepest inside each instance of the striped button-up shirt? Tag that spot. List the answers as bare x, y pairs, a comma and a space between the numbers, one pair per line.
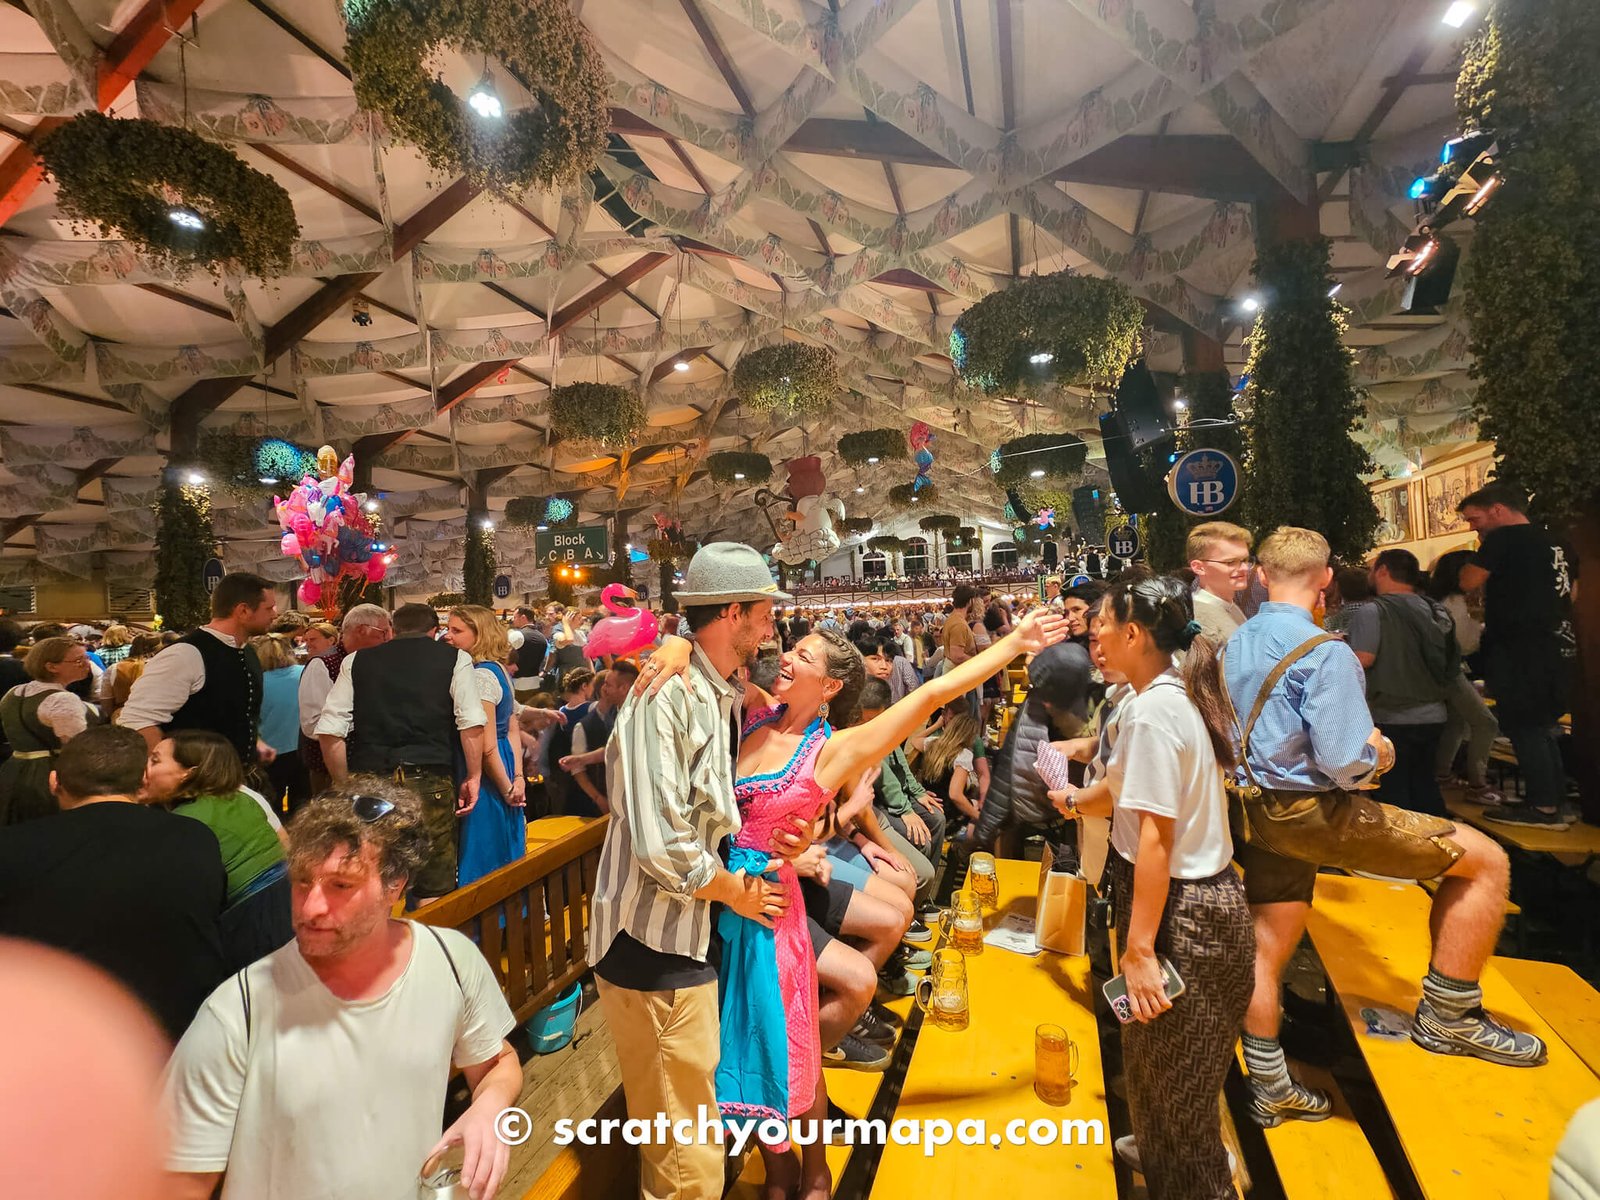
669, 773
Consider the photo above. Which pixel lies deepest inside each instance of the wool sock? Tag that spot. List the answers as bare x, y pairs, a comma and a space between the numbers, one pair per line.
1263, 1058
1451, 998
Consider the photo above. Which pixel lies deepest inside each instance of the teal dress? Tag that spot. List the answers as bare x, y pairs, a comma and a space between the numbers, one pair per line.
494, 833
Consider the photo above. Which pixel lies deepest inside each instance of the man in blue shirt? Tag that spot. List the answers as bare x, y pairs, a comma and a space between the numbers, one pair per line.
1304, 716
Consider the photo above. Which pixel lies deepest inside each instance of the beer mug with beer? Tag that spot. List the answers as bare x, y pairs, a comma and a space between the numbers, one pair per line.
942, 992
1055, 1062
962, 923
981, 879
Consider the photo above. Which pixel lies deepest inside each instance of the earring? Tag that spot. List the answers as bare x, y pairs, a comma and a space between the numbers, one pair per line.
822, 713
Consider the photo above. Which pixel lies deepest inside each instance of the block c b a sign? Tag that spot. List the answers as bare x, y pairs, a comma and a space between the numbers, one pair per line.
1203, 483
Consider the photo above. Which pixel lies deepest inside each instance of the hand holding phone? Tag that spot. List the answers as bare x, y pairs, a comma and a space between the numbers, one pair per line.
1116, 990
1052, 767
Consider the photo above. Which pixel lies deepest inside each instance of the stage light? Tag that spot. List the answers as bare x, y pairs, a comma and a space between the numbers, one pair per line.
484, 100
1431, 187
360, 313
1481, 196
1179, 403
860, 490
1251, 304
540, 528
1458, 14
186, 218
1467, 147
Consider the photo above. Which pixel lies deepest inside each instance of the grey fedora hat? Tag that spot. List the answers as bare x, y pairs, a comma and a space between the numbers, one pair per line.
728, 573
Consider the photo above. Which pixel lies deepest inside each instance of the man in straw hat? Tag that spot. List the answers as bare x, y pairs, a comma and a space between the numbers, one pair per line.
670, 771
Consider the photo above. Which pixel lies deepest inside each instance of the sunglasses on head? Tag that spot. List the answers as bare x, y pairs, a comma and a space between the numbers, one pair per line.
371, 808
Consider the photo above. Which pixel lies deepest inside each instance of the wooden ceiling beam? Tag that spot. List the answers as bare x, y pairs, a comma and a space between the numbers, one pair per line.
607, 288
299, 35
1393, 89
719, 56
194, 302
348, 199
123, 61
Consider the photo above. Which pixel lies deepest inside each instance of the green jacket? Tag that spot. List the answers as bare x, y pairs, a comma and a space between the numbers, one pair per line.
897, 788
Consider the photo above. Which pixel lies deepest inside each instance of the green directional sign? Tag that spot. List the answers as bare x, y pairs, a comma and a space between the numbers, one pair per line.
585, 544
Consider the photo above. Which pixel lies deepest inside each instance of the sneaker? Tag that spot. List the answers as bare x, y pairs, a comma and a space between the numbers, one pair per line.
929, 915
1483, 794
917, 933
1128, 1151
916, 960
853, 1054
1476, 1034
873, 1028
1296, 1103
1526, 814
896, 983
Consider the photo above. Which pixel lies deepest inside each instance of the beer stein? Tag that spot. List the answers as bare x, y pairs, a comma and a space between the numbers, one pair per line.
961, 925
441, 1176
942, 992
1055, 1062
981, 879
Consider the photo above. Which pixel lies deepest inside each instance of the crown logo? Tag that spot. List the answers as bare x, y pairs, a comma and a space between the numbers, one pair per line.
1204, 467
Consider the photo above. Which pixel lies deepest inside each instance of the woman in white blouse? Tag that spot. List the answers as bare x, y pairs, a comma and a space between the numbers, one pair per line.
494, 832
40, 717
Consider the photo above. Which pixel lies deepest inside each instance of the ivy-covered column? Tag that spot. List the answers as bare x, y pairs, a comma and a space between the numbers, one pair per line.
184, 540
478, 565
1532, 283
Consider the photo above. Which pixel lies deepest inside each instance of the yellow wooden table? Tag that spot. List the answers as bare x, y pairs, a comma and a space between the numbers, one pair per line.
1562, 998
985, 1073
544, 830
1471, 1130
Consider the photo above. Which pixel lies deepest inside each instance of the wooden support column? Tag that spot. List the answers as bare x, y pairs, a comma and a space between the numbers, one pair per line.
1202, 352
1282, 218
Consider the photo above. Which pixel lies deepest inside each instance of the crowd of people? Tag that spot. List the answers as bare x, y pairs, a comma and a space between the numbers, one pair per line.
792, 794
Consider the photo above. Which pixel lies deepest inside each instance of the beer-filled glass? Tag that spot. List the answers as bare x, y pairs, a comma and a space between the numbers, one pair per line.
962, 923
942, 992
1055, 1062
982, 881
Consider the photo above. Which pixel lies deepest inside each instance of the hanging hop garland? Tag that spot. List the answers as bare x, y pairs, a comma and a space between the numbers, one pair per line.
524, 512
903, 495
885, 445
939, 523
887, 544
965, 536
856, 526
542, 43
603, 414
791, 379
237, 463
1059, 455
447, 600
739, 467
1089, 327
128, 178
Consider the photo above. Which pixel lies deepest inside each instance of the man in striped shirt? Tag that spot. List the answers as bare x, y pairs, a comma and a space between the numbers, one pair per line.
670, 770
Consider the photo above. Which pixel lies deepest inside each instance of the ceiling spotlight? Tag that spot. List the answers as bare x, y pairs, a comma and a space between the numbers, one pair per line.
1036, 473
860, 490
913, 499
1251, 304
194, 478
629, 546
186, 218
681, 365
484, 100
371, 506
738, 474
486, 523
1459, 13
540, 528
1180, 403
872, 462
1041, 358
269, 479
1334, 290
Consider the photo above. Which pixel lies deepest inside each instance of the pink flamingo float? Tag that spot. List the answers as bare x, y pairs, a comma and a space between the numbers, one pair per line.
626, 631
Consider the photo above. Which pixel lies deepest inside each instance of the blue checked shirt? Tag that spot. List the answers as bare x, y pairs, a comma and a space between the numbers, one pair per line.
1312, 733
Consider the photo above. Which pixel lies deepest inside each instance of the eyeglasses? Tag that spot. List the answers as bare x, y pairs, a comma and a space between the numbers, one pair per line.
1232, 564
371, 808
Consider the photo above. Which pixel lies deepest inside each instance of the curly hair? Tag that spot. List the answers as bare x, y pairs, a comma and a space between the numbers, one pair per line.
329, 823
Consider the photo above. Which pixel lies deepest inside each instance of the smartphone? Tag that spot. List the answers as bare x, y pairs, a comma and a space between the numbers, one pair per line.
1116, 990
1051, 765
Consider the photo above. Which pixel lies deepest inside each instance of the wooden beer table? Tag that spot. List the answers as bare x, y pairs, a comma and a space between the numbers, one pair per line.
985, 1072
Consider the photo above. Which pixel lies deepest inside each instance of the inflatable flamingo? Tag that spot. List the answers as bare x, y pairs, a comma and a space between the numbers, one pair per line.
626, 631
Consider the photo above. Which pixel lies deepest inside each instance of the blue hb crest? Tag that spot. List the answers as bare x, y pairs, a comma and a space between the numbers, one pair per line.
1204, 483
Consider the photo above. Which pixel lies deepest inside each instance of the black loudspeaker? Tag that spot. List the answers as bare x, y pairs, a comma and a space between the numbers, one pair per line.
1137, 491
1049, 554
1086, 512
1138, 403
1428, 292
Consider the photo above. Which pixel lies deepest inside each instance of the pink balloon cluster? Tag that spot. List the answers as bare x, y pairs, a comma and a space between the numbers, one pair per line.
326, 527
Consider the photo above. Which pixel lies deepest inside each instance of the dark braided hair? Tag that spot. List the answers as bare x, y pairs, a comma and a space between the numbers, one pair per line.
1164, 608
843, 662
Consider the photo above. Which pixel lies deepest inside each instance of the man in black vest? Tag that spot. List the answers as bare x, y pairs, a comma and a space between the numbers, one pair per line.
587, 762
211, 678
531, 654
400, 709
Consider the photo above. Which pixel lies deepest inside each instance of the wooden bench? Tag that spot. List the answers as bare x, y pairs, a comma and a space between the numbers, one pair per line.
1574, 846
1468, 1128
985, 1073
1558, 994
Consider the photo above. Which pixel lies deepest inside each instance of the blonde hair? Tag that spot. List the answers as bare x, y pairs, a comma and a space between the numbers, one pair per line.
116, 635
326, 628
1203, 538
1293, 553
938, 756
491, 643
273, 652
46, 654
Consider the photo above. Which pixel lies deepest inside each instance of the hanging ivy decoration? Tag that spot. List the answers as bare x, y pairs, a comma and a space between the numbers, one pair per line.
885, 445
524, 512
184, 540
1059, 455
904, 495
856, 526
183, 201
939, 522
234, 462
478, 565
791, 379
962, 538
1048, 332
739, 467
447, 599
887, 544
542, 43
601, 414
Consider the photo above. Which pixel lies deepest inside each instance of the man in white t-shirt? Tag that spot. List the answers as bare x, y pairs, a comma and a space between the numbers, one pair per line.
1219, 555
319, 1072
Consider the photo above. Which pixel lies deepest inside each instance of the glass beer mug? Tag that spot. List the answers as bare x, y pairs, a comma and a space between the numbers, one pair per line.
981, 880
1055, 1062
942, 992
962, 923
